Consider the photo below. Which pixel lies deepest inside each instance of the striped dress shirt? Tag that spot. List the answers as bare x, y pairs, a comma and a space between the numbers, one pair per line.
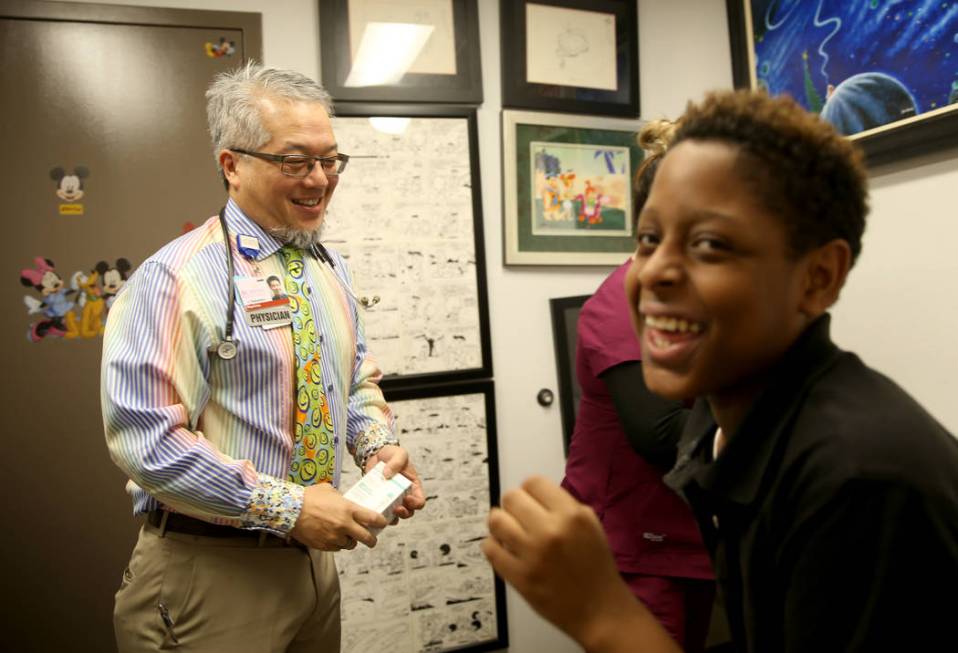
213, 438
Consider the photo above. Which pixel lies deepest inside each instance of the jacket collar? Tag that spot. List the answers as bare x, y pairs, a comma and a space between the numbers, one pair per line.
752, 454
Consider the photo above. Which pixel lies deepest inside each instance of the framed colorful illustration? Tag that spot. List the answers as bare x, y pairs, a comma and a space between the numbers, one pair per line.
565, 318
426, 585
410, 51
567, 183
408, 217
884, 73
577, 56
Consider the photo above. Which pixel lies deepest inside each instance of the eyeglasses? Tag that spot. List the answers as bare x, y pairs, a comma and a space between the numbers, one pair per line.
300, 165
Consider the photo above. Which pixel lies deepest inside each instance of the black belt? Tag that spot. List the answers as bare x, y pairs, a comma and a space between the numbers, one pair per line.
178, 523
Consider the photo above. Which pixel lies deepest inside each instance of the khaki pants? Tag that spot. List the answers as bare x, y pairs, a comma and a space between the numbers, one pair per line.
189, 593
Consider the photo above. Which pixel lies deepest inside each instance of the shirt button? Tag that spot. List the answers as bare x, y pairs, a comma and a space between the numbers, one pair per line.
715, 521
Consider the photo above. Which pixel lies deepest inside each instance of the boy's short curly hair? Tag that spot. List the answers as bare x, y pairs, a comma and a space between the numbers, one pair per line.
799, 167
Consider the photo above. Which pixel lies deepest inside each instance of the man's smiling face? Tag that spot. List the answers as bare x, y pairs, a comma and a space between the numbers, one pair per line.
269, 197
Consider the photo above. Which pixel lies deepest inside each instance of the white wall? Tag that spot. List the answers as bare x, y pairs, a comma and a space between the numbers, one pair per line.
899, 310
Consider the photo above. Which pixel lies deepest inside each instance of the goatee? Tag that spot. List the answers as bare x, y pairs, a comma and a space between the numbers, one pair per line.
299, 238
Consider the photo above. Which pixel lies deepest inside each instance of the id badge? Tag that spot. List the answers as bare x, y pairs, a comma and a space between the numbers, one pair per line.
264, 304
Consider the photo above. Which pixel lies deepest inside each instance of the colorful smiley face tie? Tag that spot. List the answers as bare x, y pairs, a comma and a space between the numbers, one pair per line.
314, 453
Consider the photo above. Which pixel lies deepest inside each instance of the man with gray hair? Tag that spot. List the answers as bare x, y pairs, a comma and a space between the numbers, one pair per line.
231, 410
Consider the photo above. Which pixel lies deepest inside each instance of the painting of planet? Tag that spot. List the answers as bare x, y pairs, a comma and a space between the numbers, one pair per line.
861, 65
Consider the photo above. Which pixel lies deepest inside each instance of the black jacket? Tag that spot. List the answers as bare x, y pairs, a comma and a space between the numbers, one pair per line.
832, 513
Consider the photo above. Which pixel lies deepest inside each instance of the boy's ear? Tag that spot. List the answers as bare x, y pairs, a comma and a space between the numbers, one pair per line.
826, 269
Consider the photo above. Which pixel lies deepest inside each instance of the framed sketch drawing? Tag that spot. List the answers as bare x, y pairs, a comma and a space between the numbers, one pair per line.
565, 318
568, 188
576, 56
410, 51
407, 215
426, 585
883, 73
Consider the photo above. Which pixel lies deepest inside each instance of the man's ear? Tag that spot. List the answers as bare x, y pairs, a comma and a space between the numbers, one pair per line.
825, 272
228, 161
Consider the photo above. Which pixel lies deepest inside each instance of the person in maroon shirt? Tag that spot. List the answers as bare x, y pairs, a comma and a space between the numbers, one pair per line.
624, 441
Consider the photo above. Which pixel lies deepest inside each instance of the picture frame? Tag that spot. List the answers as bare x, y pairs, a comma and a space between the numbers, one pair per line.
564, 312
426, 585
444, 33
573, 56
895, 102
567, 188
419, 268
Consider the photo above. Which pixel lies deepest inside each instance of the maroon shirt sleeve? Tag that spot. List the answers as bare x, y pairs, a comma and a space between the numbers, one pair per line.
605, 329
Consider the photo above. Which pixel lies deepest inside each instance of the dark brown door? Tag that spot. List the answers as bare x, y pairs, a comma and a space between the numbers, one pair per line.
105, 157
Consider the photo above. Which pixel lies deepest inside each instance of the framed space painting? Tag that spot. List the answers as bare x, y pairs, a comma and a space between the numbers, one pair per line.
409, 51
576, 56
883, 72
567, 183
407, 216
426, 587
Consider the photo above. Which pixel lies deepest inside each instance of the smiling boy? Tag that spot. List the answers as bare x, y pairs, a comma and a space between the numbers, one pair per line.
827, 496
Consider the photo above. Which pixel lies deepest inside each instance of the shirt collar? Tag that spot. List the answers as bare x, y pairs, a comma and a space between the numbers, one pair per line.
751, 455
240, 223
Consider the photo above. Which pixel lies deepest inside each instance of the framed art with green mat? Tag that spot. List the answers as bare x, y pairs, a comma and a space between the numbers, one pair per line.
567, 184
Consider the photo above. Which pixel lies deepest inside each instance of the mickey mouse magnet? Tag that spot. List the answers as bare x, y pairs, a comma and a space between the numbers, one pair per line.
70, 189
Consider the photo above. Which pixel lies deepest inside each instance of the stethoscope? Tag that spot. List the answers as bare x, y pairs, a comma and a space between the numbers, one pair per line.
226, 349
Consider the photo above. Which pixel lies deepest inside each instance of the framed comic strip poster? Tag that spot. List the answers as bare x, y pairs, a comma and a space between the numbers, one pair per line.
567, 183
426, 586
409, 51
407, 216
882, 72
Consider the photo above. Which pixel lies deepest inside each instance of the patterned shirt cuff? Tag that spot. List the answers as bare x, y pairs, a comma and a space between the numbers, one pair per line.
274, 505
372, 440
